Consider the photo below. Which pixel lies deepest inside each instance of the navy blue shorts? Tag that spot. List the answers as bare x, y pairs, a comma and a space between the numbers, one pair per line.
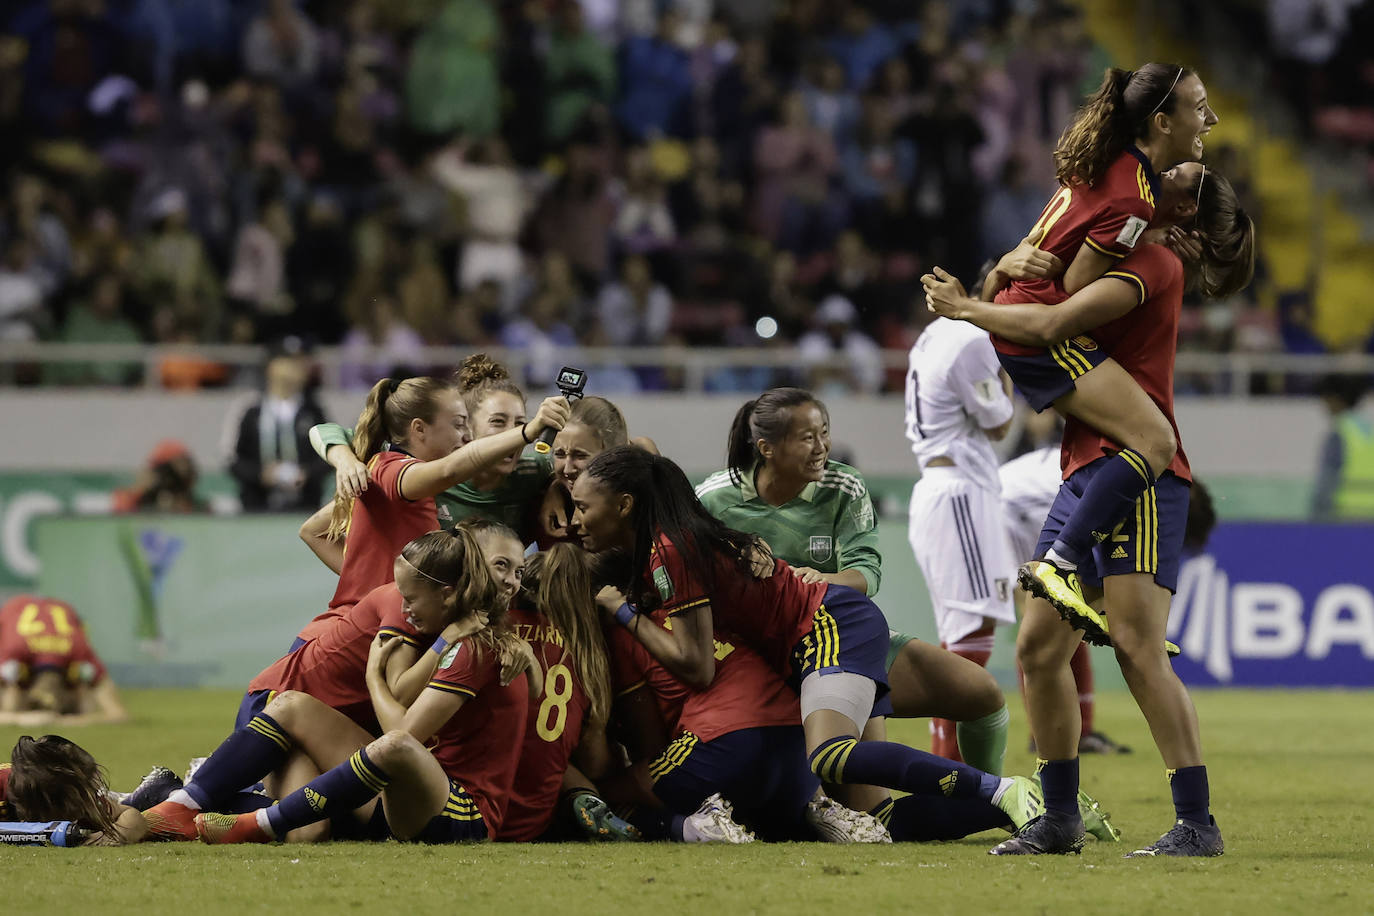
1044, 377
459, 822
762, 771
1148, 540
254, 702
850, 634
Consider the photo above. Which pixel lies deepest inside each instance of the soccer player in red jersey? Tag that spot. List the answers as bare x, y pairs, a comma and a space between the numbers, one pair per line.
1138, 124
1133, 312
48, 667
410, 437
831, 641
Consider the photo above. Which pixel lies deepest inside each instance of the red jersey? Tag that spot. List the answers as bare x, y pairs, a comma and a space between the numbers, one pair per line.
1144, 341
383, 522
479, 747
1108, 217
745, 693
39, 633
769, 615
5, 814
332, 666
552, 731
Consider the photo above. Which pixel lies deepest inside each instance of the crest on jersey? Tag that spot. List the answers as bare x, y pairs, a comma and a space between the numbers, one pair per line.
451, 655
1084, 342
1003, 589
663, 583
820, 548
1130, 233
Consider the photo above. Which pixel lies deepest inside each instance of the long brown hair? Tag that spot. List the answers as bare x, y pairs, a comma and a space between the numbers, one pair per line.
1227, 235
479, 376
560, 582
1113, 118
454, 558
390, 406
54, 779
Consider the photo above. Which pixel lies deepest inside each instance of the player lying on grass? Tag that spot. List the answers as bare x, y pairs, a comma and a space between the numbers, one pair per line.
53, 779
1135, 316
48, 669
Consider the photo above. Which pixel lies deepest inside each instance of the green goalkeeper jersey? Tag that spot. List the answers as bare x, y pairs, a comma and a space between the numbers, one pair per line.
829, 526
513, 503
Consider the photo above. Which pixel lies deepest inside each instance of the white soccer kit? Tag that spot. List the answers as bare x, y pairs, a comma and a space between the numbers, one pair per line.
956, 528
1029, 485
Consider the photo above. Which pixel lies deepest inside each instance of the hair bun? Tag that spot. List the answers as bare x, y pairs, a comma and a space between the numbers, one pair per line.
479, 368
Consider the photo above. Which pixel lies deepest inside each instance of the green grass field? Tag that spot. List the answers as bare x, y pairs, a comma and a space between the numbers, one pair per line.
1290, 780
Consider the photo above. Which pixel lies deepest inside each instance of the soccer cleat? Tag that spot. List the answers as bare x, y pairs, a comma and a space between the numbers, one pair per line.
1021, 801
1185, 838
1095, 820
599, 822
714, 822
1061, 589
835, 823
153, 790
171, 821
1052, 833
222, 829
1098, 743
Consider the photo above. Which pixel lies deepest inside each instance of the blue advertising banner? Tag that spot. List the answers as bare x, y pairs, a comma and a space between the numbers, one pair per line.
1278, 605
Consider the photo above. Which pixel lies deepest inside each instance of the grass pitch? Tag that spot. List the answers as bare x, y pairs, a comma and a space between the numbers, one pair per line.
1290, 774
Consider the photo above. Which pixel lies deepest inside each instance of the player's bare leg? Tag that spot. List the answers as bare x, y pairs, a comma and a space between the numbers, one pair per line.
298, 770
1113, 403
926, 680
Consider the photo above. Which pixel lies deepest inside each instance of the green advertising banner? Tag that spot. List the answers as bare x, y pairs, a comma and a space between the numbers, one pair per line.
186, 602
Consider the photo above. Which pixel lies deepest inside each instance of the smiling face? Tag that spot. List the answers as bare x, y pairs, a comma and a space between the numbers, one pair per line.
802, 453
423, 600
498, 412
600, 516
505, 559
1189, 122
573, 449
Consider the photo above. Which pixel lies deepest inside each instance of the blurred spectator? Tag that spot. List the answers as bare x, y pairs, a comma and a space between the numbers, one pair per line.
580, 75
575, 215
171, 268
1344, 487
863, 45
794, 162
101, 319
835, 336
167, 484
272, 460
655, 82
451, 84
314, 278
1012, 206
635, 311
541, 331
423, 291
22, 311
497, 203
830, 104
282, 45
643, 223
878, 166
378, 345
257, 278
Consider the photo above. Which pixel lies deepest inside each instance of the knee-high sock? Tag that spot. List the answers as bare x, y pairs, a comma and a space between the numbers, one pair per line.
924, 818
242, 759
1191, 795
1105, 501
1059, 784
946, 734
896, 766
1082, 666
983, 742
347, 786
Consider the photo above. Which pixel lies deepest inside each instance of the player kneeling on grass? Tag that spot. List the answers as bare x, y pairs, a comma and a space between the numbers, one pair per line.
54, 779
48, 668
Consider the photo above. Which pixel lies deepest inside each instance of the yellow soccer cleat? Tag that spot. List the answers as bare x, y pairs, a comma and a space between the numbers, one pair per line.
1062, 590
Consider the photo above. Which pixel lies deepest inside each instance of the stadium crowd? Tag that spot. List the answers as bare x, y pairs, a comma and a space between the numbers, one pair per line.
529, 175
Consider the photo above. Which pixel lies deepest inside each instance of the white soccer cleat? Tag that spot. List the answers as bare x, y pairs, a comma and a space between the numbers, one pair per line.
835, 823
714, 822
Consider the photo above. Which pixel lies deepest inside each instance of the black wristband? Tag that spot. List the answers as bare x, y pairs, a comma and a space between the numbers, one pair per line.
523, 427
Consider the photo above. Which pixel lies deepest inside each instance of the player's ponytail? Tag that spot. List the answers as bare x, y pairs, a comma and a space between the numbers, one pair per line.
390, 406
560, 581
1114, 117
1227, 235
767, 417
54, 779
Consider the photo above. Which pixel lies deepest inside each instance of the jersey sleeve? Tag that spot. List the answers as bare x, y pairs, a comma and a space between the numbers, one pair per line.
1149, 272
385, 469
978, 383
1118, 225
677, 586
394, 623
856, 537
464, 670
326, 435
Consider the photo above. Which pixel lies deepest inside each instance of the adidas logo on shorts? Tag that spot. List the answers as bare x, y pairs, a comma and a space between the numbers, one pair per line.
947, 783
1119, 553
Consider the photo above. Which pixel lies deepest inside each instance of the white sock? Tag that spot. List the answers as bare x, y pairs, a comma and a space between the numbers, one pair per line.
1066, 565
1002, 787
689, 831
183, 798
265, 824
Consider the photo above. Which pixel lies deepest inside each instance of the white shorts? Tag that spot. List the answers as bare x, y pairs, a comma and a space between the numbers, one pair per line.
958, 535
1023, 533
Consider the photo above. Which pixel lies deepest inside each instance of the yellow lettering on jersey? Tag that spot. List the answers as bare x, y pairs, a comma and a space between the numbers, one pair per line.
723, 649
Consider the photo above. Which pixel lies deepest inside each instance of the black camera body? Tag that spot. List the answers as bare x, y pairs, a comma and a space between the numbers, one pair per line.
570, 382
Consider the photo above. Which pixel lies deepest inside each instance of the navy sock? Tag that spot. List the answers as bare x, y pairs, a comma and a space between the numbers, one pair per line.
925, 818
1059, 784
1191, 796
242, 759
1115, 487
896, 766
349, 785
243, 802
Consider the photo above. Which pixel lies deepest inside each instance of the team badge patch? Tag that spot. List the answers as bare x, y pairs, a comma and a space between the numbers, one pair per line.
820, 547
451, 655
1084, 342
1130, 233
663, 583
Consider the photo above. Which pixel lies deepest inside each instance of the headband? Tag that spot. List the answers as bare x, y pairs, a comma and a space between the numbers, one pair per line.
1177, 76
422, 572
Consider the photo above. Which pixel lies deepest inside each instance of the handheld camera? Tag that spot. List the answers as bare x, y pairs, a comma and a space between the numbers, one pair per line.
570, 382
